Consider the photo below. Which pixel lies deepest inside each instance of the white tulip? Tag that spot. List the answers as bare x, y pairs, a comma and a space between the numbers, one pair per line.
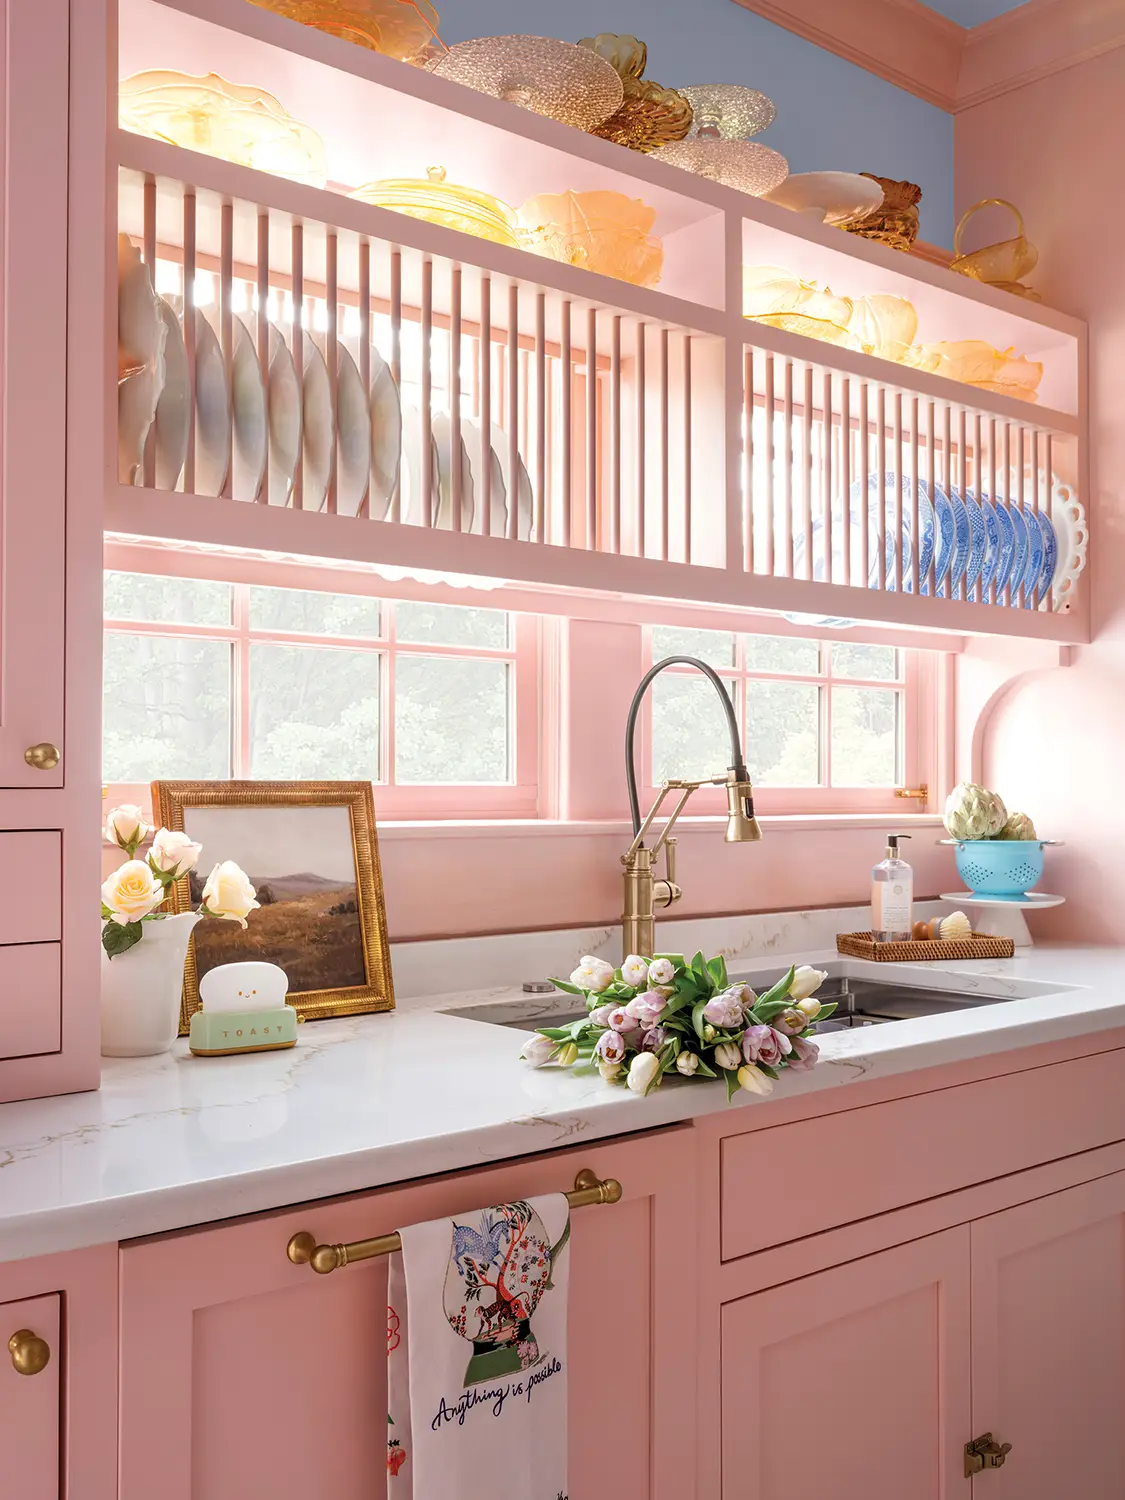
131, 893
610, 1071
634, 971
228, 893
568, 1053
661, 971
754, 1081
173, 854
644, 1071
687, 1063
810, 1007
538, 1051
806, 982
126, 827
728, 1055
592, 974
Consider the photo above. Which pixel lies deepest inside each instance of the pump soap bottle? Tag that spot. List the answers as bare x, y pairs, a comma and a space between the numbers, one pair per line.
892, 896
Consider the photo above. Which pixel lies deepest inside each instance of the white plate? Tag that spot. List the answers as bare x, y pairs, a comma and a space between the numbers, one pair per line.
386, 436
140, 332
1069, 520
173, 410
319, 428
525, 503
1032, 899
443, 436
212, 411
499, 499
411, 472
284, 404
248, 414
831, 197
353, 420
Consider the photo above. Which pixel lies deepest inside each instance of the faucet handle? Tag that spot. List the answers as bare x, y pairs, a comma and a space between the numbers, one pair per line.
670, 860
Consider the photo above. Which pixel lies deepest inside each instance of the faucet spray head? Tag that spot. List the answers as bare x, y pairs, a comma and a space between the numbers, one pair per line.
742, 825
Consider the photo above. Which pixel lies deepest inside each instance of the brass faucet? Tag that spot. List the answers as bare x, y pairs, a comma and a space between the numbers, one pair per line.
644, 892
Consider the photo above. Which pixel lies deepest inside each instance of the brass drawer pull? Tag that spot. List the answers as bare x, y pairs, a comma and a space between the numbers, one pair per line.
29, 1352
303, 1249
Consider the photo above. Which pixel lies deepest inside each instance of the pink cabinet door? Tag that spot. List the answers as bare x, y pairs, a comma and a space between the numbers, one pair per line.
33, 279
29, 1404
244, 1375
1049, 1344
853, 1382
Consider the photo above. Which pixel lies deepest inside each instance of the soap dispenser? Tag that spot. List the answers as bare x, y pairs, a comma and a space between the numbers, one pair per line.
892, 896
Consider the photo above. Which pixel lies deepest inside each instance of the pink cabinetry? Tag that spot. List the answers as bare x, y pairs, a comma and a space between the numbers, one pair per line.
1049, 1343
52, 264
852, 1382
244, 1375
58, 1357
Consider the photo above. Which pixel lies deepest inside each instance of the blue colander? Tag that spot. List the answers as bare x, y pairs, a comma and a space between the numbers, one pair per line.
1004, 869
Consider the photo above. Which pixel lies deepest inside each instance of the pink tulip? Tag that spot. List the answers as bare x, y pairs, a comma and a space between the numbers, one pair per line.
610, 1047
804, 1055
724, 1010
763, 1044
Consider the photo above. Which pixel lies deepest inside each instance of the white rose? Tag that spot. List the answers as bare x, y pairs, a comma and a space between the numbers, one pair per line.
644, 1070
228, 893
126, 827
538, 1051
173, 854
661, 972
131, 892
634, 971
754, 1081
687, 1063
806, 981
728, 1055
592, 974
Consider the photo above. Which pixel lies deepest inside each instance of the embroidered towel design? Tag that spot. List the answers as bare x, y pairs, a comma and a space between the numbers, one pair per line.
476, 1355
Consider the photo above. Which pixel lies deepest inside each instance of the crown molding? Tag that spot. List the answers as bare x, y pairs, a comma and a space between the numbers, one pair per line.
903, 41
1040, 38
916, 49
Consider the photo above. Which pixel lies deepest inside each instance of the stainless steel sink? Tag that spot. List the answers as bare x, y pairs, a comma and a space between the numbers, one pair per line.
861, 1002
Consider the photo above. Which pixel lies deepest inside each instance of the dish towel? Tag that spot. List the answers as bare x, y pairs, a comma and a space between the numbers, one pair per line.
476, 1355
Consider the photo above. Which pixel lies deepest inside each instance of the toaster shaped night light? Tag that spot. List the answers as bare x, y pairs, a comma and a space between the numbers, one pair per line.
244, 1010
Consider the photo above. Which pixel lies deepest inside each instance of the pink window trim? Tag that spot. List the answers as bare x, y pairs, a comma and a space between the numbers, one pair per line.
826, 800
516, 799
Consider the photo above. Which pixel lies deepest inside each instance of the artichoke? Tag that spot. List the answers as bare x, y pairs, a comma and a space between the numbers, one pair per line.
1018, 826
973, 812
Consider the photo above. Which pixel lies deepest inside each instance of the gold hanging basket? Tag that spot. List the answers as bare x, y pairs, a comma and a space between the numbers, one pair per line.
1002, 265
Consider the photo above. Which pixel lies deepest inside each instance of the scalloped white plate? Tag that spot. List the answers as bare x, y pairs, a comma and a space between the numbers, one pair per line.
1031, 900
1068, 516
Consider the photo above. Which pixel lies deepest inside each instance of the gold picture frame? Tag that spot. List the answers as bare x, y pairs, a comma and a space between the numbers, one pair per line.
197, 807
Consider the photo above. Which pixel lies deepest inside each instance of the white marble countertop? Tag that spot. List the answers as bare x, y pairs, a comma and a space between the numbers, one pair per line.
174, 1140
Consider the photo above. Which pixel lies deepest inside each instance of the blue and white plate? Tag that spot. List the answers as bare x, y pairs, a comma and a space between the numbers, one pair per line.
1034, 558
949, 573
978, 541
1023, 547
855, 498
1050, 557
1000, 568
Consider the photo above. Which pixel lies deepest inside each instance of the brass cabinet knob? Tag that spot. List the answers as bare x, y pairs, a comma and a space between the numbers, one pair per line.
43, 757
29, 1352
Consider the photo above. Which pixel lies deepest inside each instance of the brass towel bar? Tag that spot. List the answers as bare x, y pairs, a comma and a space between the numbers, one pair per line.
303, 1249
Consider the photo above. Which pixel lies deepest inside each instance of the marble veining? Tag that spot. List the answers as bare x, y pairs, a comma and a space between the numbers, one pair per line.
174, 1141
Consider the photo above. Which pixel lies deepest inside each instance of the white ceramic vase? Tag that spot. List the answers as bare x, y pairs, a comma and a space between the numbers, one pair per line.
142, 988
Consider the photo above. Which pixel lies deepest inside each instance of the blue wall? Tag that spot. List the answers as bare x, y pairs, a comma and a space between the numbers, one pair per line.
973, 12
831, 114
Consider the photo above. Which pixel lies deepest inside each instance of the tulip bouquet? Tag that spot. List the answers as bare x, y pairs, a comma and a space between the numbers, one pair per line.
133, 892
665, 1015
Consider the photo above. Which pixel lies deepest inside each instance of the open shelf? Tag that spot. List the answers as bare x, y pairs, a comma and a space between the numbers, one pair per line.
670, 447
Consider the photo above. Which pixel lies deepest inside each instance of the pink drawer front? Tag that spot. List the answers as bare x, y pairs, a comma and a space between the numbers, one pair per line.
30, 887
30, 999
839, 1168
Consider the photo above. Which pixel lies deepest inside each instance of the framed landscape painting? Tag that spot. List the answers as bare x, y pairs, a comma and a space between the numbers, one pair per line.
311, 852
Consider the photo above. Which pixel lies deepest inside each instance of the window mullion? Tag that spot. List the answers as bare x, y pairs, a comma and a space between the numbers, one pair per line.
241, 725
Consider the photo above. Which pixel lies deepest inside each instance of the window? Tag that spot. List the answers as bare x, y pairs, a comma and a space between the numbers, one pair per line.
825, 725
437, 702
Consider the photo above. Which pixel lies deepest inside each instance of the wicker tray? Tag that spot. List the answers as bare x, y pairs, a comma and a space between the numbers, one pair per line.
977, 945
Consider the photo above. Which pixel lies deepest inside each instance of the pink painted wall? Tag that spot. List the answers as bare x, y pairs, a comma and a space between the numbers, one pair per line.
1054, 746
